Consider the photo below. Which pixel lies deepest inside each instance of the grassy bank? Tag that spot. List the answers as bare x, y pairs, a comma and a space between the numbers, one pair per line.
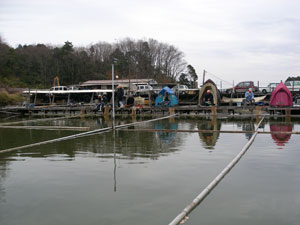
10, 99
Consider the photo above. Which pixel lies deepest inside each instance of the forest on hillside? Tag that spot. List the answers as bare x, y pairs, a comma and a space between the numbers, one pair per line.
36, 65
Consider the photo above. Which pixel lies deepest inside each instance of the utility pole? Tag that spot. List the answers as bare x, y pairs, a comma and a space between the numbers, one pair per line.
203, 76
113, 94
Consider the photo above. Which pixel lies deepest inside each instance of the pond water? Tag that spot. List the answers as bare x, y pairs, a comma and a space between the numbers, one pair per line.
144, 177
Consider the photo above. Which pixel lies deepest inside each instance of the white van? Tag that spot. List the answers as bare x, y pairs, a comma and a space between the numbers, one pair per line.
293, 85
144, 87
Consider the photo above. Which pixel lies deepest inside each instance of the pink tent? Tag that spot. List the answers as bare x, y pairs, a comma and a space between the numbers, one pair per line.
281, 96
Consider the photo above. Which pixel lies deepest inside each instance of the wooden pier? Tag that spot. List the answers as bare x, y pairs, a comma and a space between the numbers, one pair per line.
146, 110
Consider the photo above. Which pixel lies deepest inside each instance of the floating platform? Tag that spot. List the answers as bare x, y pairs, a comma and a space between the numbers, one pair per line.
180, 110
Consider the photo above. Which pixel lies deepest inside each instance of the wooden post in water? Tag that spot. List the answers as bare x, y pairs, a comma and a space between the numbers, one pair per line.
288, 115
106, 110
171, 111
133, 112
258, 110
214, 110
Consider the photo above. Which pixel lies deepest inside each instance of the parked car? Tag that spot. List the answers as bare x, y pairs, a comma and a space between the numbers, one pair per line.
270, 87
181, 89
242, 87
144, 87
293, 85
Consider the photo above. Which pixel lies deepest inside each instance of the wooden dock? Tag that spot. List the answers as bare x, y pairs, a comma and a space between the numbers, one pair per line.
146, 110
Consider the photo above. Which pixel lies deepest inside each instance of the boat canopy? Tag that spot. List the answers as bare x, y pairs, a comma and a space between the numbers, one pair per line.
281, 96
209, 85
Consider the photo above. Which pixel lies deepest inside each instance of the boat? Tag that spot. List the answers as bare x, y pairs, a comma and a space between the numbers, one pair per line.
240, 100
209, 85
281, 96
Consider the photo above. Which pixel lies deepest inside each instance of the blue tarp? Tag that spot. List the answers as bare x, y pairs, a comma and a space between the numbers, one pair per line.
159, 101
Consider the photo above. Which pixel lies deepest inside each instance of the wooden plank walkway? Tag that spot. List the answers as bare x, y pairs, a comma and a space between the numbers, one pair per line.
180, 110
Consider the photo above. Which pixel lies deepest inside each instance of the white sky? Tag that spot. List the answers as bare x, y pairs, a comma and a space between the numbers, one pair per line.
236, 40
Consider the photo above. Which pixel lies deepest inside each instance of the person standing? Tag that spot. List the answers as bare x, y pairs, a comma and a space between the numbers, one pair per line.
120, 94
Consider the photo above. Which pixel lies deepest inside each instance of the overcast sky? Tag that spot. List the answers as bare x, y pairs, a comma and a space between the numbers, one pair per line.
236, 40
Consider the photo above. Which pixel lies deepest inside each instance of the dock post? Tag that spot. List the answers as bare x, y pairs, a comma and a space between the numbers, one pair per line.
288, 113
133, 112
106, 110
258, 110
171, 111
214, 110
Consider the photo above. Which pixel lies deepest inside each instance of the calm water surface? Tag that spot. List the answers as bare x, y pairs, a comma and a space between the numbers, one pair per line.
134, 177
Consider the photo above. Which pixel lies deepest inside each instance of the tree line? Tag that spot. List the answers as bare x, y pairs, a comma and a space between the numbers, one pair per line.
37, 65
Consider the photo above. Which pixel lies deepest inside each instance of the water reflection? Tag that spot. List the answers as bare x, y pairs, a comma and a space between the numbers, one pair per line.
3, 174
209, 139
281, 138
249, 128
166, 137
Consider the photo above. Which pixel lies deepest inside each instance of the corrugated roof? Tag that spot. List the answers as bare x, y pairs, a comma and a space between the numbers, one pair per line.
120, 81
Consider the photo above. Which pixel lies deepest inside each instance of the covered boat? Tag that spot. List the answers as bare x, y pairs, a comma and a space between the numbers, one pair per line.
281, 96
209, 85
166, 97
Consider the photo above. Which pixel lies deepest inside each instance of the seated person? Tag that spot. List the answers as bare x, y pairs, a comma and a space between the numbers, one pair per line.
249, 96
130, 101
166, 99
102, 101
208, 98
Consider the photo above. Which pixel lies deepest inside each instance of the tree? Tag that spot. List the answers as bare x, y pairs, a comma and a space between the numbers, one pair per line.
37, 65
189, 78
183, 79
193, 75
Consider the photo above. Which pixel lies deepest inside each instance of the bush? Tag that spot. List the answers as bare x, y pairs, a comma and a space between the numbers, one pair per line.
10, 99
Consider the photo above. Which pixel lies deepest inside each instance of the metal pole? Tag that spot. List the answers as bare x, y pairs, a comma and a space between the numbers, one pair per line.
113, 95
115, 163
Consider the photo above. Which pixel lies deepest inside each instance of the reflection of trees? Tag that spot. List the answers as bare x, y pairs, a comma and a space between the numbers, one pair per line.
209, 139
281, 139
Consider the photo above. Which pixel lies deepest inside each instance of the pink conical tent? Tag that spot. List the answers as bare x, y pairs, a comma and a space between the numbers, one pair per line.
281, 96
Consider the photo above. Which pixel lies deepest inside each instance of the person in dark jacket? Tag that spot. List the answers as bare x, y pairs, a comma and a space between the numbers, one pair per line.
130, 101
208, 98
120, 94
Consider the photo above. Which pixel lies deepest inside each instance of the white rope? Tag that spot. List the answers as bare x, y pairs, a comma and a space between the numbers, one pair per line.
180, 218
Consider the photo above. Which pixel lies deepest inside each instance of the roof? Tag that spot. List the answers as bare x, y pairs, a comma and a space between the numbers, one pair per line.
120, 81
